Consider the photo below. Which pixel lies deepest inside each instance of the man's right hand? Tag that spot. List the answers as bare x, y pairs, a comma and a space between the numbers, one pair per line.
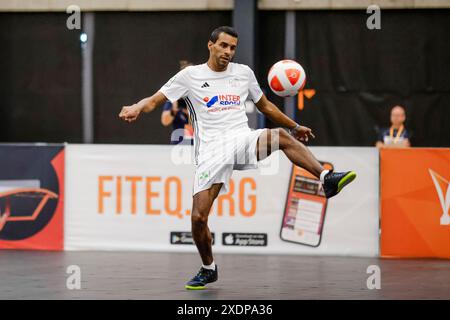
130, 113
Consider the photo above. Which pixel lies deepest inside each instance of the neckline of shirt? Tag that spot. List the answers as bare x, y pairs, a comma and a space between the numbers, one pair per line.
219, 73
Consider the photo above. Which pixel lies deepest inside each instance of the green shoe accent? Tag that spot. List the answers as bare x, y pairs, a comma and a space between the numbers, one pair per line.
346, 180
195, 288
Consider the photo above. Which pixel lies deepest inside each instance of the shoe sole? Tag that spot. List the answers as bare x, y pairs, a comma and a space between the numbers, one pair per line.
195, 288
188, 287
349, 177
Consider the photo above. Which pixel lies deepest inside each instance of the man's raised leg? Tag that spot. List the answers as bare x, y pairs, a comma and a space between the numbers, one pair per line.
274, 139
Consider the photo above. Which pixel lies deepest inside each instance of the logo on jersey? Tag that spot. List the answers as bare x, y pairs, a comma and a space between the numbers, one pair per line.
203, 178
223, 100
235, 83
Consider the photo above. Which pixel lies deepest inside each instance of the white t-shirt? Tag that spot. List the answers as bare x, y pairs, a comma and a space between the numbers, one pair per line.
215, 100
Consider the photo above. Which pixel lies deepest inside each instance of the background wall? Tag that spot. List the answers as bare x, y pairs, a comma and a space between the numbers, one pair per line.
40, 73
358, 74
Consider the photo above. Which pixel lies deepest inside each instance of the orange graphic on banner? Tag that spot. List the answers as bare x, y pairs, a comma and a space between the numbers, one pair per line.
415, 201
44, 194
51, 236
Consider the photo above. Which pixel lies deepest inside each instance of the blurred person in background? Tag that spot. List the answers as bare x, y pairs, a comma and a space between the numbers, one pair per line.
396, 136
176, 114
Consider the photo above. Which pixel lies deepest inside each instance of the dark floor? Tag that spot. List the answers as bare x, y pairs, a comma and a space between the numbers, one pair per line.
143, 275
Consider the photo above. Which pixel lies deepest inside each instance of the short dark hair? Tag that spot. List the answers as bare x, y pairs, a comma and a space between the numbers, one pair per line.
226, 29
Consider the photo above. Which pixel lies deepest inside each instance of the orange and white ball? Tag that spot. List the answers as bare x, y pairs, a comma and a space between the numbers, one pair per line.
286, 78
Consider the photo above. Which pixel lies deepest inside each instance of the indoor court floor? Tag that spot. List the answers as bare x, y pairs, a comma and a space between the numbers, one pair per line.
150, 275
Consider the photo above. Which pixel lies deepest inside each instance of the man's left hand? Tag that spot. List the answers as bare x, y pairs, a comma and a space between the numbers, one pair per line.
303, 133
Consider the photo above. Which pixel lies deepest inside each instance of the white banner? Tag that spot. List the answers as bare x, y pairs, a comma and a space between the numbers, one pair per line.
136, 197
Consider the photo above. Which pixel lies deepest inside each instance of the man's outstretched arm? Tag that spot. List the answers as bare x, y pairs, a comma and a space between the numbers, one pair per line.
272, 112
131, 113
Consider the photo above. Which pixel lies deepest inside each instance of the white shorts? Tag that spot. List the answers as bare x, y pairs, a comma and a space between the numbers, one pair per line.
217, 161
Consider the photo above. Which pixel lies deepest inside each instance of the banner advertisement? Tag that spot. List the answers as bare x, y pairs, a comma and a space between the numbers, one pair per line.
32, 197
415, 202
138, 197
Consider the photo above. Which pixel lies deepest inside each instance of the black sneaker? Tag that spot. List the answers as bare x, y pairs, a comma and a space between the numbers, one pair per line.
203, 277
335, 181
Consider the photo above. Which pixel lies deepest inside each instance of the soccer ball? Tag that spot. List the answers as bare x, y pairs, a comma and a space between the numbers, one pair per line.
286, 78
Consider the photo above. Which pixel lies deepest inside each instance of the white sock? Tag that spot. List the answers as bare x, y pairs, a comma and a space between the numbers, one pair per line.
212, 266
323, 174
